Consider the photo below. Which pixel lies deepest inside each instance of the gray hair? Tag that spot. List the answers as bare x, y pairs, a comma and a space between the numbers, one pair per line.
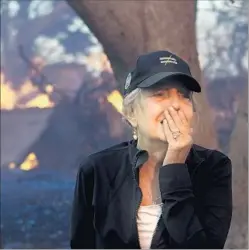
129, 103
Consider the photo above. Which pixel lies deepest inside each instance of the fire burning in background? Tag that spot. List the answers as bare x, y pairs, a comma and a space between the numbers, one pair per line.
29, 163
27, 96
30, 96
116, 99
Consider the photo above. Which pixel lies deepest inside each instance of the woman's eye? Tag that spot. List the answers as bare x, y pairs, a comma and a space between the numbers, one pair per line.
185, 95
160, 93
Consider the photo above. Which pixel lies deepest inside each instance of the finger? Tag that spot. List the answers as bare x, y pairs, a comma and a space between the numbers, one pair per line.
186, 123
171, 123
183, 117
176, 118
188, 113
167, 132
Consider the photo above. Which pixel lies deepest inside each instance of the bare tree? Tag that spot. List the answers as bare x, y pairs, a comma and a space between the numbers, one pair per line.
227, 72
49, 24
18, 24
129, 28
239, 155
226, 40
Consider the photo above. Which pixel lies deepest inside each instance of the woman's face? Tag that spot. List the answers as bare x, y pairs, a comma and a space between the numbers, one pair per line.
154, 101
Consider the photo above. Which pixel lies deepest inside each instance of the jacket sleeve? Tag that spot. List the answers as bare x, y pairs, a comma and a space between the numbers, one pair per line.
210, 230
82, 230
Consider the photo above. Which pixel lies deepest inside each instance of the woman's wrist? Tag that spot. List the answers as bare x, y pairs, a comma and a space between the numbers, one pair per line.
176, 156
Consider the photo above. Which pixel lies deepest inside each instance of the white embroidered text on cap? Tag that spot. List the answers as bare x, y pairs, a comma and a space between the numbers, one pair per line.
168, 59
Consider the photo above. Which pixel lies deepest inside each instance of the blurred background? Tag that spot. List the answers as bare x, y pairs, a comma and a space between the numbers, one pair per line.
63, 64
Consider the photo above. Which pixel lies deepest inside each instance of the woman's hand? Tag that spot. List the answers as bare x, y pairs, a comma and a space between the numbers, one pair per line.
178, 131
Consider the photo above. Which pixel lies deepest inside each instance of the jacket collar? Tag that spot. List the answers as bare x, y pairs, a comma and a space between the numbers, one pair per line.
139, 157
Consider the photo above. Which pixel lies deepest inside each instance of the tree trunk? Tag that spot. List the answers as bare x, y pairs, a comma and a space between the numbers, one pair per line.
129, 28
239, 156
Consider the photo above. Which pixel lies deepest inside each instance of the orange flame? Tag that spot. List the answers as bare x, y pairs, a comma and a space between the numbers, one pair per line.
8, 96
29, 163
27, 96
116, 99
12, 165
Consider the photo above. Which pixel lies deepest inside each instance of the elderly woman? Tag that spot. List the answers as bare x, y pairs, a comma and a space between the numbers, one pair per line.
158, 190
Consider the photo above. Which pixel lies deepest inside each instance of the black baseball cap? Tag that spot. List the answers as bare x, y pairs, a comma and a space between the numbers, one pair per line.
156, 66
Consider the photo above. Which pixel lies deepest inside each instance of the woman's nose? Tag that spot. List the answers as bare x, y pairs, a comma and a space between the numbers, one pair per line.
176, 105
175, 102
174, 99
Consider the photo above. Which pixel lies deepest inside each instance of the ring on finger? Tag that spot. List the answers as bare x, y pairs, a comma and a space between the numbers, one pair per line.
176, 134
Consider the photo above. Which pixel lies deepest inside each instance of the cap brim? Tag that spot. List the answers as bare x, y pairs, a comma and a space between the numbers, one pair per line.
187, 80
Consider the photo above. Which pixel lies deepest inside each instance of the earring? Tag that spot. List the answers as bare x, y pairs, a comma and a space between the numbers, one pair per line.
134, 134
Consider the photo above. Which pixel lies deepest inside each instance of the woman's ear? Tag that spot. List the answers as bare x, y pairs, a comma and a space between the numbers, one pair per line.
133, 121
131, 117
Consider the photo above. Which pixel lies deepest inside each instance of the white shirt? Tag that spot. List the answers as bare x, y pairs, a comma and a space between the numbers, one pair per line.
147, 219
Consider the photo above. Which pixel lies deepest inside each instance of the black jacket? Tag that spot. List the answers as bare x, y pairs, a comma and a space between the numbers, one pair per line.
197, 200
